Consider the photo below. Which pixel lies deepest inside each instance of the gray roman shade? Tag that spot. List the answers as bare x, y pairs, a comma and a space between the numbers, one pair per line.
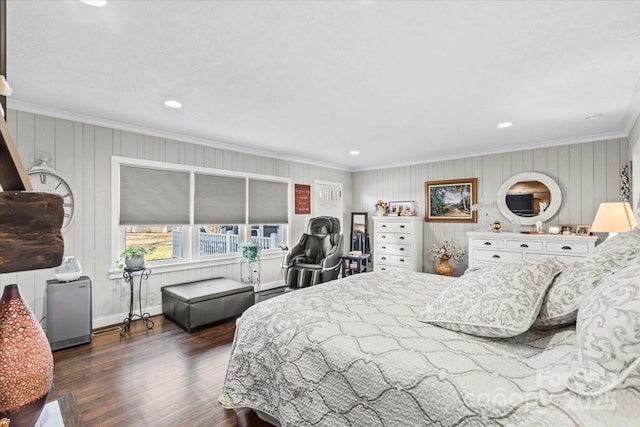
153, 196
268, 202
219, 199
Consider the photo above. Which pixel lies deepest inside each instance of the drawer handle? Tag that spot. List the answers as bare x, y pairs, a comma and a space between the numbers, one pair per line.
384, 257
384, 225
566, 248
383, 236
524, 245
487, 243
383, 247
401, 237
401, 249
383, 269
496, 256
402, 226
401, 260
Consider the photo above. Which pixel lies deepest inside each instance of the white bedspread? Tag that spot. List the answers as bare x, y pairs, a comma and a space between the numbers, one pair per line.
352, 353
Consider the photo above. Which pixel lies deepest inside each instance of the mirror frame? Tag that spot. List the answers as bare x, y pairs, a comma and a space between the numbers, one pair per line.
552, 209
366, 231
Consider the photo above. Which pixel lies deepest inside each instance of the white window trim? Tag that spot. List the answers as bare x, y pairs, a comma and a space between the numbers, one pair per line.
190, 258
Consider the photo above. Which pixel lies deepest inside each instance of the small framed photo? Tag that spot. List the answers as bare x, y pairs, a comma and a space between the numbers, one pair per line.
566, 229
402, 208
583, 230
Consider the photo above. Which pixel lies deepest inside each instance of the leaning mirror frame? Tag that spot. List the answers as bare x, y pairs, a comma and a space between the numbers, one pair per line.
552, 209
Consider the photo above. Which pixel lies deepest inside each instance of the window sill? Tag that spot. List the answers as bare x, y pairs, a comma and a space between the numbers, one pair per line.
200, 263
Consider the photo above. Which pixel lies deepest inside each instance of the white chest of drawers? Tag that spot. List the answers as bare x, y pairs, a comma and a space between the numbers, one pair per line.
494, 248
397, 243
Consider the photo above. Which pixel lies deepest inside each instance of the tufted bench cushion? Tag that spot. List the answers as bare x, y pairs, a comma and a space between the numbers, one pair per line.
199, 303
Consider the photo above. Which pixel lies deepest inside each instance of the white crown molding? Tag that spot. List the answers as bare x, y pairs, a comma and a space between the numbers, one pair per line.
97, 121
112, 124
532, 146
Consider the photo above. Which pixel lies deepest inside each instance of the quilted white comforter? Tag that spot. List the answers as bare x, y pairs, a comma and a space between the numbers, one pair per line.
352, 353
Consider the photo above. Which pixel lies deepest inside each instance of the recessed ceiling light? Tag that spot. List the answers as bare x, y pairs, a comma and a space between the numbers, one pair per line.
354, 152
594, 117
172, 103
505, 125
96, 3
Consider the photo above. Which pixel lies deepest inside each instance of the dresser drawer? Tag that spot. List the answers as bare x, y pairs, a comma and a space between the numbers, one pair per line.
568, 248
393, 226
488, 243
521, 245
387, 267
397, 260
496, 256
392, 238
393, 249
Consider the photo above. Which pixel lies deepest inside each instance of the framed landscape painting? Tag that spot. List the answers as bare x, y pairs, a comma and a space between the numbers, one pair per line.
450, 200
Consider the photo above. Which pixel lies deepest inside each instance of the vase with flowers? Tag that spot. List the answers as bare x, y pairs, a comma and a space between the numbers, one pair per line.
444, 253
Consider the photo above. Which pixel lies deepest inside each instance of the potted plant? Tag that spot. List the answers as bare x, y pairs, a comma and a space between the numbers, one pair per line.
250, 253
134, 256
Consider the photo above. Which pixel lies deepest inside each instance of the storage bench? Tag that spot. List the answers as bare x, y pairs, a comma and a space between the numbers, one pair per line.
202, 302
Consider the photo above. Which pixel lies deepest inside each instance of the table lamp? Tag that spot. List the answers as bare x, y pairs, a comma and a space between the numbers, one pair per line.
613, 218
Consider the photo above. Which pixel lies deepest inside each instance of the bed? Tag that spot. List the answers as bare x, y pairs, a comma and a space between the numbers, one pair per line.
353, 352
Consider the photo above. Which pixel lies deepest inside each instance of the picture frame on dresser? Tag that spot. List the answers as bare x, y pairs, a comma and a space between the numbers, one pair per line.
451, 200
583, 230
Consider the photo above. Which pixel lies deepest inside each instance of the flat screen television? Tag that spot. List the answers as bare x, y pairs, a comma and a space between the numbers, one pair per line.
521, 204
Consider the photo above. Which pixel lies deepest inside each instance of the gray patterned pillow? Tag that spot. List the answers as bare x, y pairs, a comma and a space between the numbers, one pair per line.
608, 334
560, 307
494, 301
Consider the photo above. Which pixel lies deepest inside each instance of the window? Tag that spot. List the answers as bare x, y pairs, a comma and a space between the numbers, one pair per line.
217, 239
167, 241
191, 213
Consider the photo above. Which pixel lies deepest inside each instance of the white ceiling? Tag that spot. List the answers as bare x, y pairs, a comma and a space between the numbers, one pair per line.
402, 82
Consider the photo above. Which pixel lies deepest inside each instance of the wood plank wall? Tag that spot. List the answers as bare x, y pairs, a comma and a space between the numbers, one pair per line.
587, 173
82, 156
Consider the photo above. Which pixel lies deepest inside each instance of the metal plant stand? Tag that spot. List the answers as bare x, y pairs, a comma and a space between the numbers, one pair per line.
129, 277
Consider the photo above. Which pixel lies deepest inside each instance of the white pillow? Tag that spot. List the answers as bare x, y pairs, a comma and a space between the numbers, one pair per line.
576, 282
494, 301
608, 334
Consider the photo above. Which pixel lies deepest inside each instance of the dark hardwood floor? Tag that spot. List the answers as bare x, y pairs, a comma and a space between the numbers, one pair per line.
162, 376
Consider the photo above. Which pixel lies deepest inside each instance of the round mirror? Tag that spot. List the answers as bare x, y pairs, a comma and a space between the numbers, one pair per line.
529, 197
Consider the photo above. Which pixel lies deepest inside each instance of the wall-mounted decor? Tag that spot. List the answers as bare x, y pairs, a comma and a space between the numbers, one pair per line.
403, 208
451, 200
302, 199
625, 183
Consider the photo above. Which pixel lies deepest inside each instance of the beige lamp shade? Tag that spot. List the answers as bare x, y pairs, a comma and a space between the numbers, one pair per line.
614, 217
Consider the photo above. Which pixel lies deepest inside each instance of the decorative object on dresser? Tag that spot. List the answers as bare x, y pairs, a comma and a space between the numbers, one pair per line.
529, 197
397, 243
613, 218
451, 200
26, 365
490, 248
496, 226
381, 207
404, 208
444, 253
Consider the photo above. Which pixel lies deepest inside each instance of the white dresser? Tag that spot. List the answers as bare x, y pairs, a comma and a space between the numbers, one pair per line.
397, 243
491, 248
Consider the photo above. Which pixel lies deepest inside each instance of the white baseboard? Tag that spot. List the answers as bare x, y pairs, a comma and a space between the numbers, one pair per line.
115, 319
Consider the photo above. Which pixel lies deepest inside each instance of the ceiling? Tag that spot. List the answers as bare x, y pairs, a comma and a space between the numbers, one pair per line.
402, 82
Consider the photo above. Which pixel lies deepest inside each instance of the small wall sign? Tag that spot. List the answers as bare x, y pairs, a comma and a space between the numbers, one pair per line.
302, 199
